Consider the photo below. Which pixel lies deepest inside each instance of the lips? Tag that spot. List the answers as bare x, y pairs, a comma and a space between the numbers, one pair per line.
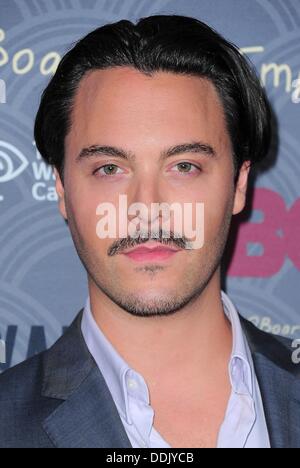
151, 252
151, 247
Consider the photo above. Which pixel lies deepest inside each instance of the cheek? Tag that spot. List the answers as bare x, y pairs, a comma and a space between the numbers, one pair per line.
81, 208
81, 197
218, 203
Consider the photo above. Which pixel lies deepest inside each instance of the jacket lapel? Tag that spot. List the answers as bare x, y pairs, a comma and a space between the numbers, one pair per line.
278, 380
87, 416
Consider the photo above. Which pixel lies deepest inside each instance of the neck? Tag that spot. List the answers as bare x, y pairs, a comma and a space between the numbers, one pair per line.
185, 343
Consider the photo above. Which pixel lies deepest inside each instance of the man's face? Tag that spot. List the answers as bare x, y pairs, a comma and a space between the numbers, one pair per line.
145, 116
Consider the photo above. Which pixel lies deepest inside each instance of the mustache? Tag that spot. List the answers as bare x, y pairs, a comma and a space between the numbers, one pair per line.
162, 237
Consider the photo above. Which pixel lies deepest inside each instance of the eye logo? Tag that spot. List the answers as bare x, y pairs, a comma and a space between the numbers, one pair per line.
9, 156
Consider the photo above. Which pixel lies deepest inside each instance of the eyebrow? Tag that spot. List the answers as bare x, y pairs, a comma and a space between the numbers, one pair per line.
193, 147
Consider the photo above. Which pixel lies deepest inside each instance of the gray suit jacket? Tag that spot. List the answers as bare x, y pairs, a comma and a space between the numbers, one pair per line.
59, 398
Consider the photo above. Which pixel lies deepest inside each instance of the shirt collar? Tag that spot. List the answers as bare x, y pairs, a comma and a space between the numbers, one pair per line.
241, 367
117, 372
113, 367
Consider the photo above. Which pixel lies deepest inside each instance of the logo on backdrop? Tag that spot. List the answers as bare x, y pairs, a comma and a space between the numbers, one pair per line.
13, 163
9, 154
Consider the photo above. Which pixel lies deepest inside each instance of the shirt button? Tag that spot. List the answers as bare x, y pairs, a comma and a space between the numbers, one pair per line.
132, 384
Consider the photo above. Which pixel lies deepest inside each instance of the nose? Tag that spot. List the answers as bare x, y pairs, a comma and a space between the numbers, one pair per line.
144, 199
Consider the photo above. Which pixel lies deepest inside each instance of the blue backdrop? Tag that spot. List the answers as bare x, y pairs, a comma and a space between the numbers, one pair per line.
42, 283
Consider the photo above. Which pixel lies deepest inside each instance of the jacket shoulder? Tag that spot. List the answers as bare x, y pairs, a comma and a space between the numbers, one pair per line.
275, 348
22, 406
25, 400
16, 382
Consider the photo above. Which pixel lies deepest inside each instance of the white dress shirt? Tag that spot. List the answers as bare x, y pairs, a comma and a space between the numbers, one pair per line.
244, 425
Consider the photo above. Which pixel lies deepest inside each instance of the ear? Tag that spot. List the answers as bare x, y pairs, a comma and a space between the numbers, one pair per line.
61, 194
241, 188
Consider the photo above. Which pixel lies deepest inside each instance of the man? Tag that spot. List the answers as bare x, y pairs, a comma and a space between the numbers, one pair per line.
162, 111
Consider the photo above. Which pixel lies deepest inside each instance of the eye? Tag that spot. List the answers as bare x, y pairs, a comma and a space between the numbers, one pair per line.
107, 170
186, 168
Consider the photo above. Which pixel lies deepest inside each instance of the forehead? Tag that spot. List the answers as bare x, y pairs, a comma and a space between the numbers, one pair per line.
122, 105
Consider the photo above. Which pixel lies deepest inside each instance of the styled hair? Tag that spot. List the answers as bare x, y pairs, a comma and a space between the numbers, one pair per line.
171, 43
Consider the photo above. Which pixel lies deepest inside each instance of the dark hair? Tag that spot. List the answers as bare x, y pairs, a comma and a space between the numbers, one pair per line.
171, 43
